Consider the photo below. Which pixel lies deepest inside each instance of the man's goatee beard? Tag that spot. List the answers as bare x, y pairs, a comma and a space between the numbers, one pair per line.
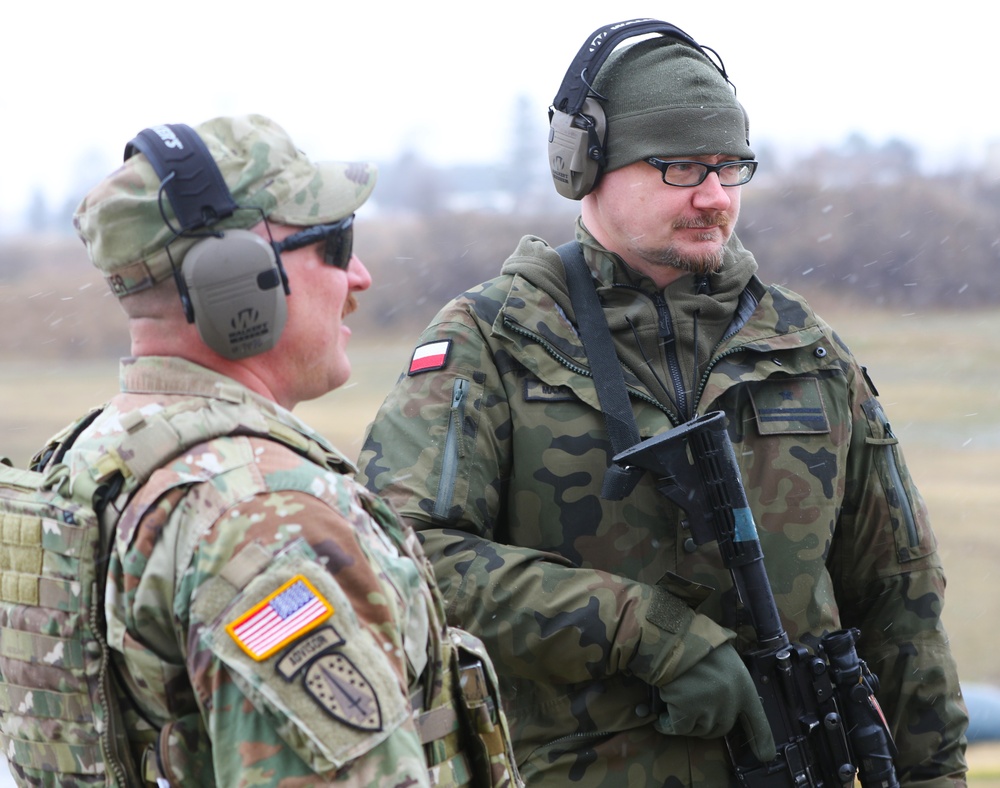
691, 264
696, 264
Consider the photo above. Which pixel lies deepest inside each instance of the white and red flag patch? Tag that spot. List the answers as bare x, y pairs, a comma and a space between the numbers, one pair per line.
291, 611
433, 355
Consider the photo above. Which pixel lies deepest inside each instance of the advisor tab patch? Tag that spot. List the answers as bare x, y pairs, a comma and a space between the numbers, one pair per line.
433, 355
291, 611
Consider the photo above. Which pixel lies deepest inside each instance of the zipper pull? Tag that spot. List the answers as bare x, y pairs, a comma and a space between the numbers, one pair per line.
458, 393
664, 327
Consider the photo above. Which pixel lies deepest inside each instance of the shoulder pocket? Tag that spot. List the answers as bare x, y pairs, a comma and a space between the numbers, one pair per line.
910, 529
295, 648
457, 449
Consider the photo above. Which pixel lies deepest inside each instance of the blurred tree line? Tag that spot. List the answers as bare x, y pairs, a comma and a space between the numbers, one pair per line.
859, 222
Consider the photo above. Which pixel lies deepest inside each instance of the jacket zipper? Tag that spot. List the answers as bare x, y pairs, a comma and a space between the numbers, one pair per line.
576, 737
747, 305
453, 448
708, 370
111, 741
668, 340
897, 482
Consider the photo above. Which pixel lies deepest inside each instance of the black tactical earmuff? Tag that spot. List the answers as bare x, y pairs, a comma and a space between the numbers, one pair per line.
577, 128
231, 283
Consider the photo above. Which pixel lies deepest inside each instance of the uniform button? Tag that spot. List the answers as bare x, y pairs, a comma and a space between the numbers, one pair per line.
642, 710
689, 545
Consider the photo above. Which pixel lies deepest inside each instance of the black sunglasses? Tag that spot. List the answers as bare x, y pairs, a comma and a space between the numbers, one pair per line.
339, 238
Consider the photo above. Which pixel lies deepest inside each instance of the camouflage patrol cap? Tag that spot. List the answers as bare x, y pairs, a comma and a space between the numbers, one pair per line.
121, 225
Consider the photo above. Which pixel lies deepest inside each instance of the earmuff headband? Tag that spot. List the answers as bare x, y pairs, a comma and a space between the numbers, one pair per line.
588, 61
232, 285
577, 124
190, 177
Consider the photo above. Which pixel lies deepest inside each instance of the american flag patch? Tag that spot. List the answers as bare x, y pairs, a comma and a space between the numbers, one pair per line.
288, 613
433, 355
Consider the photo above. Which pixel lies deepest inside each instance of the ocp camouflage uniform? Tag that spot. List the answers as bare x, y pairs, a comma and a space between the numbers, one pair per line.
497, 456
244, 527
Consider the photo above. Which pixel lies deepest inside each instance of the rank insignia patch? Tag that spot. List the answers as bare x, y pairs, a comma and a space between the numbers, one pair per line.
433, 355
340, 688
287, 614
789, 407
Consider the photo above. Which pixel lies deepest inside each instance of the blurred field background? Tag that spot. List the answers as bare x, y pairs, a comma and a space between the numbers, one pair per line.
935, 373
902, 259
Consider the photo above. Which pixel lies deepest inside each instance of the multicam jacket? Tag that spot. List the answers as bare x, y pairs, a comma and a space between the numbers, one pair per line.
271, 621
493, 446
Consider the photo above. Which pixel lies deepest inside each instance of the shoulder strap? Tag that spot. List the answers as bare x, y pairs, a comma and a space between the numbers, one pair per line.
52, 452
607, 371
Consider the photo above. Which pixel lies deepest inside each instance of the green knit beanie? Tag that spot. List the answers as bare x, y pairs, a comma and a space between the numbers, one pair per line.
667, 99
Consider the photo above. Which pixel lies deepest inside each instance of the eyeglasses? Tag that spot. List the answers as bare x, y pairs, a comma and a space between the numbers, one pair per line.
692, 173
339, 237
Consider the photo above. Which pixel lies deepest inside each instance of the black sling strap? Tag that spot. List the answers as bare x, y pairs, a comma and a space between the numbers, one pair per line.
607, 371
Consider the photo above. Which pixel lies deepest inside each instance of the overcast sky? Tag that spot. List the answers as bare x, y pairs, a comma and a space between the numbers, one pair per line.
365, 80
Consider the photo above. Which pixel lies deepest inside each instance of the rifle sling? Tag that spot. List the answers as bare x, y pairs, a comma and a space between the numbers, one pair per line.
605, 367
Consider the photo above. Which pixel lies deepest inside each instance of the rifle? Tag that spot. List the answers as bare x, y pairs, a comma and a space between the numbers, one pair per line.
821, 705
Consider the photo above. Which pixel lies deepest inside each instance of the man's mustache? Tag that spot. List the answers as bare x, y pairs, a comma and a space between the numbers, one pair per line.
720, 220
350, 305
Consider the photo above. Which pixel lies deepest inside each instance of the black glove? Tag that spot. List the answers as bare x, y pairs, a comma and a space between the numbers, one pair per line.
708, 699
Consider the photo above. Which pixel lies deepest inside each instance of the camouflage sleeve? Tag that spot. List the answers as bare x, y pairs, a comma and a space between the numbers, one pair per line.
276, 713
440, 450
890, 585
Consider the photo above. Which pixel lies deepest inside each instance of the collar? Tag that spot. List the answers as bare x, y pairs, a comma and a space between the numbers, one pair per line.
170, 376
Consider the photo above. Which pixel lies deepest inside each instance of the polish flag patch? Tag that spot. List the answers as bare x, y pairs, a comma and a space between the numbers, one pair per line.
433, 355
274, 622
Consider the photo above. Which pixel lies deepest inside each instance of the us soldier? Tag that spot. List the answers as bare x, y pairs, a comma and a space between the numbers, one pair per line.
270, 621
616, 637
